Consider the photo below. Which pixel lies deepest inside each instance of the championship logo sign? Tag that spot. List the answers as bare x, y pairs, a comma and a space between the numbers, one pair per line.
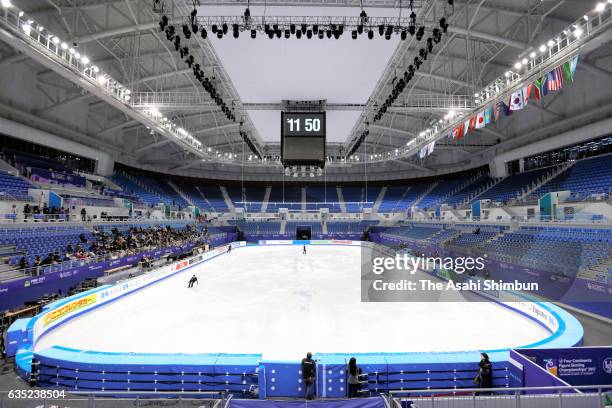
68, 308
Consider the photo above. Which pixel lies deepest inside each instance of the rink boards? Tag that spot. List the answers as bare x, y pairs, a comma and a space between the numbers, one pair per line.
248, 374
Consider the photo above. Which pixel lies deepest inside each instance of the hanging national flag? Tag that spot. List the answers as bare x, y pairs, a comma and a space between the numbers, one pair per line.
503, 107
569, 69
526, 90
458, 132
488, 113
480, 120
473, 123
466, 127
535, 89
496, 111
555, 79
449, 136
430, 147
517, 101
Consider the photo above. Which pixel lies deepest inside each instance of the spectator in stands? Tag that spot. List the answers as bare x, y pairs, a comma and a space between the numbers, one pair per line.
69, 249
23, 263
485, 374
14, 212
353, 378
27, 210
83, 238
83, 214
308, 374
37, 266
45, 212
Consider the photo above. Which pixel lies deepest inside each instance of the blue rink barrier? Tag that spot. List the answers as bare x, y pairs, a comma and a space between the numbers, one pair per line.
250, 375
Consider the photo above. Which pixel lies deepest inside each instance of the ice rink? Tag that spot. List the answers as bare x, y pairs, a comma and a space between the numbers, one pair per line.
276, 301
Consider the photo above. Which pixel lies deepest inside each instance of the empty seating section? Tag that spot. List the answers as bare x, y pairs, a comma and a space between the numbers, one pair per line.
472, 239
561, 250
288, 197
439, 193
41, 240
338, 228
214, 196
254, 228
415, 232
392, 196
127, 184
469, 191
194, 194
585, 178
354, 198
318, 197
168, 195
13, 188
512, 186
251, 199
413, 194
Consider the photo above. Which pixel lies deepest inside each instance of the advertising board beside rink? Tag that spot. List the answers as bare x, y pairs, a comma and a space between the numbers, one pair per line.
62, 310
309, 242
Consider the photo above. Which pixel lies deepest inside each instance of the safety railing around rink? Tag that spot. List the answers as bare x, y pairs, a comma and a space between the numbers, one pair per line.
84, 399
592, 396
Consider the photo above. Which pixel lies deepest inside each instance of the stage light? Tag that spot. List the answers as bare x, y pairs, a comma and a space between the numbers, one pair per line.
518, 65
219, 34
64, 46
542, 48
26, 28
203, 33
550, 43
186, 31
524, 61
420, 32
578, 32
600, 7
85, 60
6, 4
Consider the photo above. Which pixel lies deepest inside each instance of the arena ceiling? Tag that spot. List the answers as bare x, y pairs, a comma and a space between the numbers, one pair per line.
485, 38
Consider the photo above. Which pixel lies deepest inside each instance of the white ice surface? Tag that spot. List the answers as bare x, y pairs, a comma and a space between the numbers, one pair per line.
276, 301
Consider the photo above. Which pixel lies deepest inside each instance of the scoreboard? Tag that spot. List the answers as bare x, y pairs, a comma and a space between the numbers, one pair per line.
303, 138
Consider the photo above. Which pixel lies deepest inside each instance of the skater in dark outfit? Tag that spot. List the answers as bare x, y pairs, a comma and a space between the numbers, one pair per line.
192, 281
308, 374
485, 374
304, 250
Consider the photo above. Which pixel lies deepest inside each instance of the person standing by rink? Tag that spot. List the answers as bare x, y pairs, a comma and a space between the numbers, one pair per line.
304, 250
485, 374
308, 374
192, 281
353, 378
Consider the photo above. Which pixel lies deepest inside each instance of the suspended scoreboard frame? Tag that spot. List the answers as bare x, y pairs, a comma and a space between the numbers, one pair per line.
303, 138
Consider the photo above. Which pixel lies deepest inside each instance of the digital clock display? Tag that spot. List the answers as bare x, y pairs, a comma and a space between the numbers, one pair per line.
303, 138
304, 124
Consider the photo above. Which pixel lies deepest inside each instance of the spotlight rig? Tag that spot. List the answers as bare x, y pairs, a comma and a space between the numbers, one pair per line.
277, 27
